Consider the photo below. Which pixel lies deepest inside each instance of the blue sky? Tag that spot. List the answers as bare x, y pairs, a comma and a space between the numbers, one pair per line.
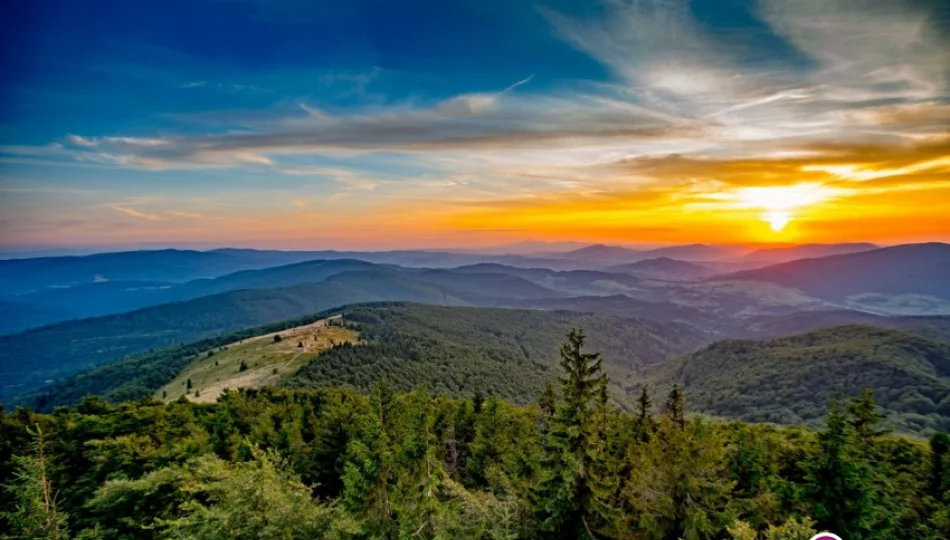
378, 123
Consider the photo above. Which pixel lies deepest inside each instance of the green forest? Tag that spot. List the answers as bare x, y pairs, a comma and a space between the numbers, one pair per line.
790, 380
335, 463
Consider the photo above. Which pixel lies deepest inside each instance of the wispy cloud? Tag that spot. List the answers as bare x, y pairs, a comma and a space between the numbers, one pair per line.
189, 215
82, 141
136, 213
854, 104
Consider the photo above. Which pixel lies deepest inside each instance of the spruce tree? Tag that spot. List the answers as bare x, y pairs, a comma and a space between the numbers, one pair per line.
864, 417
35, 513
419, 485
477, 401
840, 481
368, 475
547, 402
939, 473
644, 424
565, 499
485, 449
676, 406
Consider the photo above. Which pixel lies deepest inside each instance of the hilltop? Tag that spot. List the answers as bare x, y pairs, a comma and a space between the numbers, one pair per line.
907, 279
791, 380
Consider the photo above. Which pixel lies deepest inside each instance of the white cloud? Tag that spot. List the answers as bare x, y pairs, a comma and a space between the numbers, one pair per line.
136, 213
82, 141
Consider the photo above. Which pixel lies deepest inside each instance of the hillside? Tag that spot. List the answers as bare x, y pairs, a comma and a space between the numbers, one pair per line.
806, 251
619, 305
889, 280
167, 265
791, 380
568, 282
138, 376
663, 268
17, 317
933, 327
55, 304
108, 297
511, 353
262, 360
30, 358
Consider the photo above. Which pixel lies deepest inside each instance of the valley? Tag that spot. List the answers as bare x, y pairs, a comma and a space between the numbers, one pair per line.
466, 365
620, 294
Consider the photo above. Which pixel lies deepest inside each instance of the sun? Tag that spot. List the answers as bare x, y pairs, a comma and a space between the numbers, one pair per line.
777, 220
781, 203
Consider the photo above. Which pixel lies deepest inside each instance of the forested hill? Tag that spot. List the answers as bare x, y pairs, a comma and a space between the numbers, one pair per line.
511, 353
451, 350
790, 380
51, 352
336, 464
55, 351
772, 326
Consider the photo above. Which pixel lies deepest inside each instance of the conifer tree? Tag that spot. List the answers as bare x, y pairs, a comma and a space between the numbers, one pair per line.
477, 401
864, 417
485, 448
464, 433
676, 407
939, 473
421, 475
565, 499
547, 402
644, 423
368, 471
679, 486
35, 514
840, 481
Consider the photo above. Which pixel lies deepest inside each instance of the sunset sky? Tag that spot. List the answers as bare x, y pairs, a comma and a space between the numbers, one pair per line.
386, 124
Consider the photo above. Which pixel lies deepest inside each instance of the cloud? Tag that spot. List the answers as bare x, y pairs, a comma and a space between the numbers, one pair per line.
469, 122
190, 215
876, 72
194, 84
136, 213
82, 141
852, 103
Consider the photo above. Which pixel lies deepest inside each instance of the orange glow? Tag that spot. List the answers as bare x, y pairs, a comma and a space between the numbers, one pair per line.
900, 195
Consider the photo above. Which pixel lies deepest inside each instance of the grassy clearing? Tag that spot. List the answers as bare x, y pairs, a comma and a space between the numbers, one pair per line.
267, 361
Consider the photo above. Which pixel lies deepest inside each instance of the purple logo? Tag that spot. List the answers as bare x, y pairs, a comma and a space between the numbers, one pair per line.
826, 536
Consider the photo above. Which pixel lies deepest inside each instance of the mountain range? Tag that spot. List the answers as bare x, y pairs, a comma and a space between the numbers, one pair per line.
174, 299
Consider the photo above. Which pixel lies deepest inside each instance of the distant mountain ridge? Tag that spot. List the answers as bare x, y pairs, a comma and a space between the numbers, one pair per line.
663, 267
904, 269
302, 288
807, 251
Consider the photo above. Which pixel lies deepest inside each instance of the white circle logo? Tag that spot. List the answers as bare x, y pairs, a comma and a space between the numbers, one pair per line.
826, 536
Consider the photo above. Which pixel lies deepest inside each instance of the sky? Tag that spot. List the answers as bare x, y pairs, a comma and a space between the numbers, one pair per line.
374, 124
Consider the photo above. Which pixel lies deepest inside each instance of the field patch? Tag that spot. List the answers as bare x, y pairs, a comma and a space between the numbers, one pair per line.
266, 359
